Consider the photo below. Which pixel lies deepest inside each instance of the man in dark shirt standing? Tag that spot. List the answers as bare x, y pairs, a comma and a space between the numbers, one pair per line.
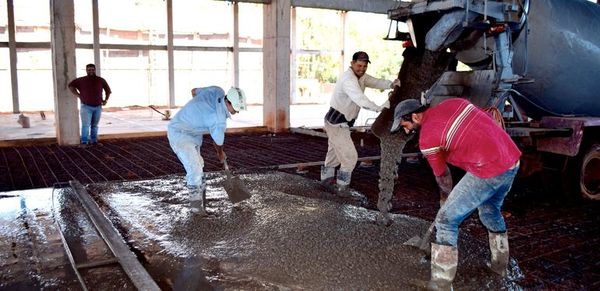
89, 91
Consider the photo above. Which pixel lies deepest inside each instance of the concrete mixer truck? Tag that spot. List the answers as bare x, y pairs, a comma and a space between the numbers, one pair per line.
536, 61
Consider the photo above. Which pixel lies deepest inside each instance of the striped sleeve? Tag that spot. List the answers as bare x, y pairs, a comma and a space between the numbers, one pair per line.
436, 158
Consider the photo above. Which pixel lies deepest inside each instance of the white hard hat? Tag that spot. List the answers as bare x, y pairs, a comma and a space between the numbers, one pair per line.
237, 98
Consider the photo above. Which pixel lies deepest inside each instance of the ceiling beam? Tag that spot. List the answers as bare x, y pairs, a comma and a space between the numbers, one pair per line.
372, 6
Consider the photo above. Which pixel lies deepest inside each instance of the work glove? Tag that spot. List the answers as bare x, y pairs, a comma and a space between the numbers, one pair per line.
395, 83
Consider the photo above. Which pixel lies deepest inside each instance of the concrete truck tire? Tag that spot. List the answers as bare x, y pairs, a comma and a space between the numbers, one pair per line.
589, 178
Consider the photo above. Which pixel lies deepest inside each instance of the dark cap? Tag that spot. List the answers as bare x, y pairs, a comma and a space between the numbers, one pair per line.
360, 56
404, 108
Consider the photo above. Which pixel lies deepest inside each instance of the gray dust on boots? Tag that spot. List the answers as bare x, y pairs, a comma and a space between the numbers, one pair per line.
327, 175
343, 180
444, 260
197, 200
499, 252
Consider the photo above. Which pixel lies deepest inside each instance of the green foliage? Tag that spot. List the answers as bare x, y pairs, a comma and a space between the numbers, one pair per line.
320, 33
324, 68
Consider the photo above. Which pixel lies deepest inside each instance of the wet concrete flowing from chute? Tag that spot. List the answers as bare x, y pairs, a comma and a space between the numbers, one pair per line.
420, 69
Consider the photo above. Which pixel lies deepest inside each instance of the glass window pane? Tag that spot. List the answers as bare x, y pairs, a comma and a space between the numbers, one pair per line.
133, 22
83, 57
250, 25
318, 59
251, 76
5, 85
385, 55
34, 74
200, 69
32, 20
316, 76
136, 77
202, 23
84, 23
3, 22
319, 29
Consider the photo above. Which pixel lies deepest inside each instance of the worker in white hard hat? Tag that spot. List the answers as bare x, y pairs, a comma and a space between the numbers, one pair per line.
207, 112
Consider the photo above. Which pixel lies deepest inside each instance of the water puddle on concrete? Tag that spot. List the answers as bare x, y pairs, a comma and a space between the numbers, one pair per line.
289, 235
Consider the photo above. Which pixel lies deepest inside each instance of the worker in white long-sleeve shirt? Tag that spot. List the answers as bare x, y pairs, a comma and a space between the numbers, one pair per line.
207, 112
347, 99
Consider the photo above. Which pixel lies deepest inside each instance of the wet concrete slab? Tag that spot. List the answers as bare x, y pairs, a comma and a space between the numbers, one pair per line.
31, 250
289, 235
35, 225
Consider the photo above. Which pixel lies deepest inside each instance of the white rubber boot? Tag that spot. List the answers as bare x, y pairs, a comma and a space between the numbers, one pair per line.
342, 183
327, 175
444, 260
197, 200
499, 253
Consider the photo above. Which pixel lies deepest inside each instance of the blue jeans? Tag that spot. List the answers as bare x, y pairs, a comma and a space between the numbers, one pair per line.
471, 192
90, 116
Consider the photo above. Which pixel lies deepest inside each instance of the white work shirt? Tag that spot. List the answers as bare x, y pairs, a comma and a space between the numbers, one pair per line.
348, 95
206, 112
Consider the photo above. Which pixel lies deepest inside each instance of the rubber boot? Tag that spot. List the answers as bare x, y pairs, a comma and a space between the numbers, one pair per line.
342, 183
197, 200
499, 252
444, 260
327, 175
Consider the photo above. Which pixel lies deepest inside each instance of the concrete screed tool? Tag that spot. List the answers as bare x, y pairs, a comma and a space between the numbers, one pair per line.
236, 190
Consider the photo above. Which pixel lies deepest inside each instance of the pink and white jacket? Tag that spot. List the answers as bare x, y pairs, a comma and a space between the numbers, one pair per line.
459, 133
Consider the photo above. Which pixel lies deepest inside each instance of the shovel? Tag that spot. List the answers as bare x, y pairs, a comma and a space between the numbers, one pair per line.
421, 243
236, 190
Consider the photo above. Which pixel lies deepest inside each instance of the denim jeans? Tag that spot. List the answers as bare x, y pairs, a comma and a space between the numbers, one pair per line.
471, 192
90, 116
187, 148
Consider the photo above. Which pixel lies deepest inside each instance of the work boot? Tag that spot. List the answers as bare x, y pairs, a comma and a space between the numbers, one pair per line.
444, 260
342, 183
327, 175
197, 200
499, 252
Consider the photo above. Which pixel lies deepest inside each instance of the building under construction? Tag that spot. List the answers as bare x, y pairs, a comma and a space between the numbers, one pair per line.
117, 213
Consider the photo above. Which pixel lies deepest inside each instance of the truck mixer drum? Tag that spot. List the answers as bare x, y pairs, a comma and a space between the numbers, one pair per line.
540, 56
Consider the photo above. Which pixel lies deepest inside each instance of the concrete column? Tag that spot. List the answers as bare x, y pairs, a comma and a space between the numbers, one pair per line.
12, 52
236, 45
276, 65
293, 57
345, 56
96, 34
170, 56
62, 29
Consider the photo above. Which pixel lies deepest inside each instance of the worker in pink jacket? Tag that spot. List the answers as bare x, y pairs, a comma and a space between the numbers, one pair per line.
458, 133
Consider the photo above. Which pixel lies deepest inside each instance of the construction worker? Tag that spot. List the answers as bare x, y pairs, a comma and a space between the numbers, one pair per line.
458, 133
89, 91
347, 99
206, 112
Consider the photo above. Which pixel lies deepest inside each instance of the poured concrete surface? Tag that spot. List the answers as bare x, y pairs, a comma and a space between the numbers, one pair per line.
32, 254
289, 234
